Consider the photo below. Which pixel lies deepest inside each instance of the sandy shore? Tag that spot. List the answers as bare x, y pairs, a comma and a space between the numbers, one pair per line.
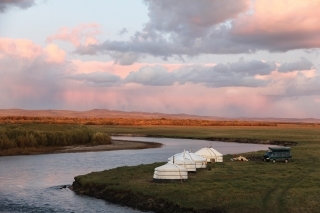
116, 145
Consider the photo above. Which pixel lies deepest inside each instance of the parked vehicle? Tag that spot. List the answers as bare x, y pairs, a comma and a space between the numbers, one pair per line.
278, 154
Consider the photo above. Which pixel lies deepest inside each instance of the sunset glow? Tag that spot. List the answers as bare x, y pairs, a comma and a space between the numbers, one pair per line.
231, 58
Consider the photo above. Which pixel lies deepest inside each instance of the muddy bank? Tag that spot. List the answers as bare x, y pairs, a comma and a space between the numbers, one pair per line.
116, 145
133, 200
237, 140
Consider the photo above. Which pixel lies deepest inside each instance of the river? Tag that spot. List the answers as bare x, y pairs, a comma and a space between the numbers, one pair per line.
34, 183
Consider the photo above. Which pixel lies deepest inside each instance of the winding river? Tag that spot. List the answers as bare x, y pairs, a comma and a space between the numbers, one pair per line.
35, 183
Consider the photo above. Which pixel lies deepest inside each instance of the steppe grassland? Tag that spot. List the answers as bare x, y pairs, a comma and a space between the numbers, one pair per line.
253, 186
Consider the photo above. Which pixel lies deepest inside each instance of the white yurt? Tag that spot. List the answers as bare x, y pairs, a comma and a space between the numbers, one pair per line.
170, 172
201, 162
210, 154
219, 156
183, 161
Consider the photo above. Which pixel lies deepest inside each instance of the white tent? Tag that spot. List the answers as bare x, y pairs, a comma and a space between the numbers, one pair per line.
219, 156
181, 160
210, 154
201, 162
169, 172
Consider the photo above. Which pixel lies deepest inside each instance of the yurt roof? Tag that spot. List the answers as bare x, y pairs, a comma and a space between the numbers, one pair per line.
206, 152
188, 155
176, 156
170, 167
195, 157
179, 158
216, 152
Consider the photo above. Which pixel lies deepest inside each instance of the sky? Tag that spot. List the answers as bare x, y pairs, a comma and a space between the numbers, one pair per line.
230, 58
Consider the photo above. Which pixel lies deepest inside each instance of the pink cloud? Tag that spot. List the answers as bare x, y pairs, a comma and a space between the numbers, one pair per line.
110, 66
21, 48
172, 67
24, 88
26, 49
117, 69
189, 98
33, 77
276, 76
281, 22
55, 54
84, 34
275, 16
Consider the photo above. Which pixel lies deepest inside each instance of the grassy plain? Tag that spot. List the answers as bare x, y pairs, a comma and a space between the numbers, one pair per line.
253, 186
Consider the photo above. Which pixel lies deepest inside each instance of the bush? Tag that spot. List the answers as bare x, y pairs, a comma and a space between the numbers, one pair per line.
41, 138
100, 138
5, 142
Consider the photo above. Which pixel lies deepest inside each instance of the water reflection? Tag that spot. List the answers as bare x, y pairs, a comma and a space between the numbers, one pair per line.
33, 183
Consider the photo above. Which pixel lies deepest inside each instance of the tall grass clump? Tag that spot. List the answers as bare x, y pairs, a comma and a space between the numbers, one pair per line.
17, 137
100, 138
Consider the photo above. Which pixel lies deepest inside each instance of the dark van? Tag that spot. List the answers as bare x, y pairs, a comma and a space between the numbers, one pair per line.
278, 154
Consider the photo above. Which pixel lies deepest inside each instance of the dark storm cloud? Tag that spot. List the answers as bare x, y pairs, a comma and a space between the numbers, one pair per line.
23, 4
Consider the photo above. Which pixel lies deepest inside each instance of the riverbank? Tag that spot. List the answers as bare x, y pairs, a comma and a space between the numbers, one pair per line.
107, 185
253, 186
221, 139
245, 187
115, 145
31, 139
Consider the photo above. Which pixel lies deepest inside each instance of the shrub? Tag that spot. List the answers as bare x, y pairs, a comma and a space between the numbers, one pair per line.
5, 142
41, 138
31, 140
100, 138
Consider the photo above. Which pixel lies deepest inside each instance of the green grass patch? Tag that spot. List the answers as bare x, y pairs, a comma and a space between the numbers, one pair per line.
253, 186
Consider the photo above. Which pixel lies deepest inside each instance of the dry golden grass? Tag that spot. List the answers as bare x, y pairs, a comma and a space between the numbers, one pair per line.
135, 121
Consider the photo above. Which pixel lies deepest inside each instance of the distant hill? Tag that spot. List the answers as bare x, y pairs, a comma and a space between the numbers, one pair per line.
105, 113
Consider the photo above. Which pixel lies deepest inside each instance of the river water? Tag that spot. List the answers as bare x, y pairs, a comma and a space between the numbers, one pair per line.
35, 183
